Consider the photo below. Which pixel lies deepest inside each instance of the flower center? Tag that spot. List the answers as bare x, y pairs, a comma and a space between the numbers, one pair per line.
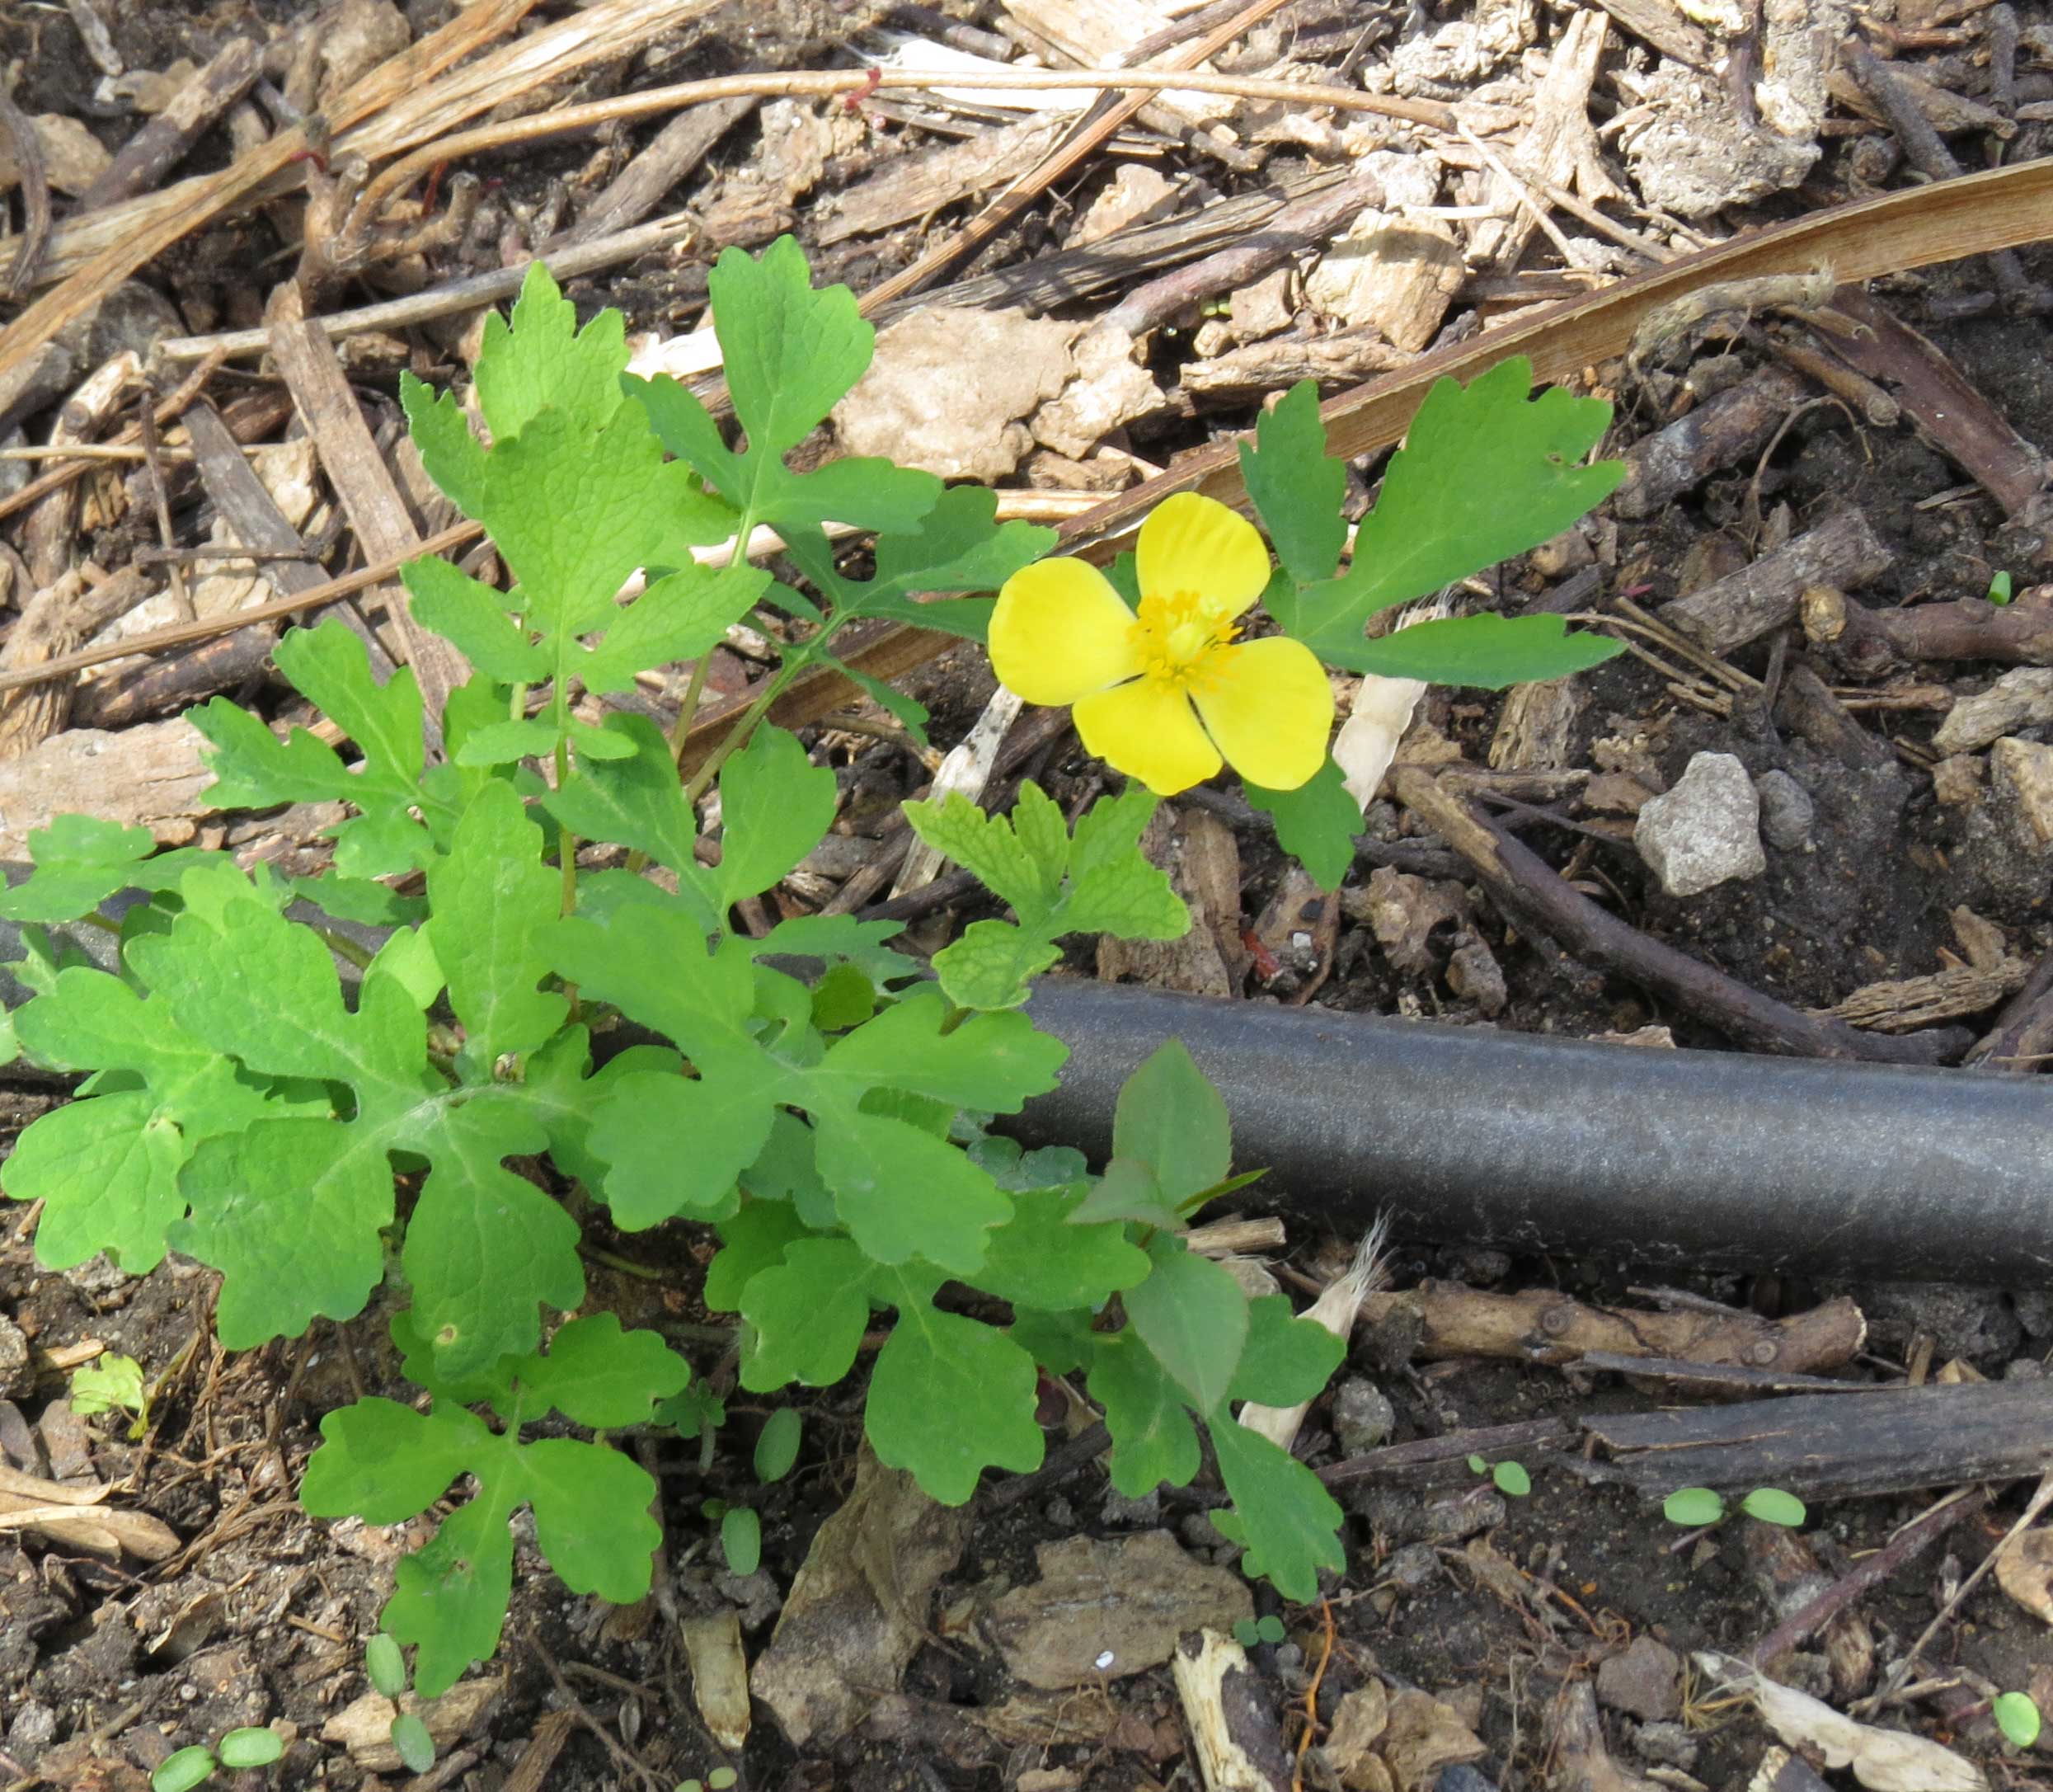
1179, 636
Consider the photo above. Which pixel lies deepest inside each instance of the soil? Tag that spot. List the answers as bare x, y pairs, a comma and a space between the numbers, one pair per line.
260, 1615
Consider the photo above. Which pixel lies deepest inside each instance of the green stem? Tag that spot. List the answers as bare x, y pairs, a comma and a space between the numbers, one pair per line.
745, 527
738, 735
566, 856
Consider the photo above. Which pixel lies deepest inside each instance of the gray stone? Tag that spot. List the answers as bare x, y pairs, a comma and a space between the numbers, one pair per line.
1644, 1681
1669, 1744
1452, 1517
1704, 832
16, 1378
1787, 812
1414, 1568
1363, 1417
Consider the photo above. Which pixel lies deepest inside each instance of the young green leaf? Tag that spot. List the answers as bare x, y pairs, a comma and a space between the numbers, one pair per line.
1191, 1314
183, 1770
1512, 1479
776, 1445
1693, 1507
410, 1738
81, 860
386, 1665
807, 1315
598, 1375
251, 1748
1041, 1257
1286, 1359
741, 1540
775, 805
1316, 824
791, 353
1772, 1506
1096, 881
1487, 651
1297, 489
113, 1384
1170, 1117
2016, 1715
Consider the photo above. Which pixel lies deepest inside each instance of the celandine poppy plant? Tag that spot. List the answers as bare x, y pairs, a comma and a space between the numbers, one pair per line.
1167, 695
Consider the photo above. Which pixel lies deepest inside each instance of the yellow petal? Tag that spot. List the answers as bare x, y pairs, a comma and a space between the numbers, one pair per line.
1269, 711
1146, 729
1195, 543
1059, 631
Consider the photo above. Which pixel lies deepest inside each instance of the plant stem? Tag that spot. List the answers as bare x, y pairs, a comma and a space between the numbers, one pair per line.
566, 855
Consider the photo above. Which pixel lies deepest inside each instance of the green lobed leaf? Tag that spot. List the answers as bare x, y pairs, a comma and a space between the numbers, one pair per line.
1040, 1257
637, 801
492, 895
1486, 470
1296, 488
81, 860
540, 359
1287, 1519
806, 1314
596, 1374
1316, 823
1286, 1359
1488, 650
949, 1397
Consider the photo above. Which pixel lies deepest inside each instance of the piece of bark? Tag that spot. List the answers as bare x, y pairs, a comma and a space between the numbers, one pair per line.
54, 621
1576, 1749
1202, 860
1559, 148
50, 537
1805, 705
166, 685
662, 164
1537, 899
1841, 550
1661, 24
1717, 433
719, 1676
1949, 410
24, 149
1432, 1459
144, 159
1830, 1446
1870, 1571
2024, 1032
1545, 1327
369, 494
1258, 368
149, 777
1230, 1716
920, 183
1306, 223
1903, 1003
1787, 1570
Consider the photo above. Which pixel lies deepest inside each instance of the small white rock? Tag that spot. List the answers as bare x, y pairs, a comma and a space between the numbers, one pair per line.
2019, 699
2021, 771
1704, 832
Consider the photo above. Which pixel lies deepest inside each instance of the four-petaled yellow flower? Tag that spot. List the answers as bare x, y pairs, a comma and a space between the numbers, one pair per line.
1061, 634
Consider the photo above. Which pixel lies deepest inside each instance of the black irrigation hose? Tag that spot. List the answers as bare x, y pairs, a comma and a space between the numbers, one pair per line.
1674, 1159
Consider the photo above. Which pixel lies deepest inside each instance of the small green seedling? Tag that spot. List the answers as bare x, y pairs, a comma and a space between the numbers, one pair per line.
1695, 1508
1999, 592
1250, 1631
385, 1666
113, 1384
776, 1445
254, 1746
413, 1744
741, 1539
1510, 1477
718, 1780
2016, 1715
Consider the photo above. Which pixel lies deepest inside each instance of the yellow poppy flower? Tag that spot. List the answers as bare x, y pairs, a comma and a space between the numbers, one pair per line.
1164, 695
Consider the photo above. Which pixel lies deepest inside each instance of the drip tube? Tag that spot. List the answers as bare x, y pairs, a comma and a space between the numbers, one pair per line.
1677, 1160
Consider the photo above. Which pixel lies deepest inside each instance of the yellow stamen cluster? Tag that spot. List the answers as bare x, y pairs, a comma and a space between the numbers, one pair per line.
1177, 636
